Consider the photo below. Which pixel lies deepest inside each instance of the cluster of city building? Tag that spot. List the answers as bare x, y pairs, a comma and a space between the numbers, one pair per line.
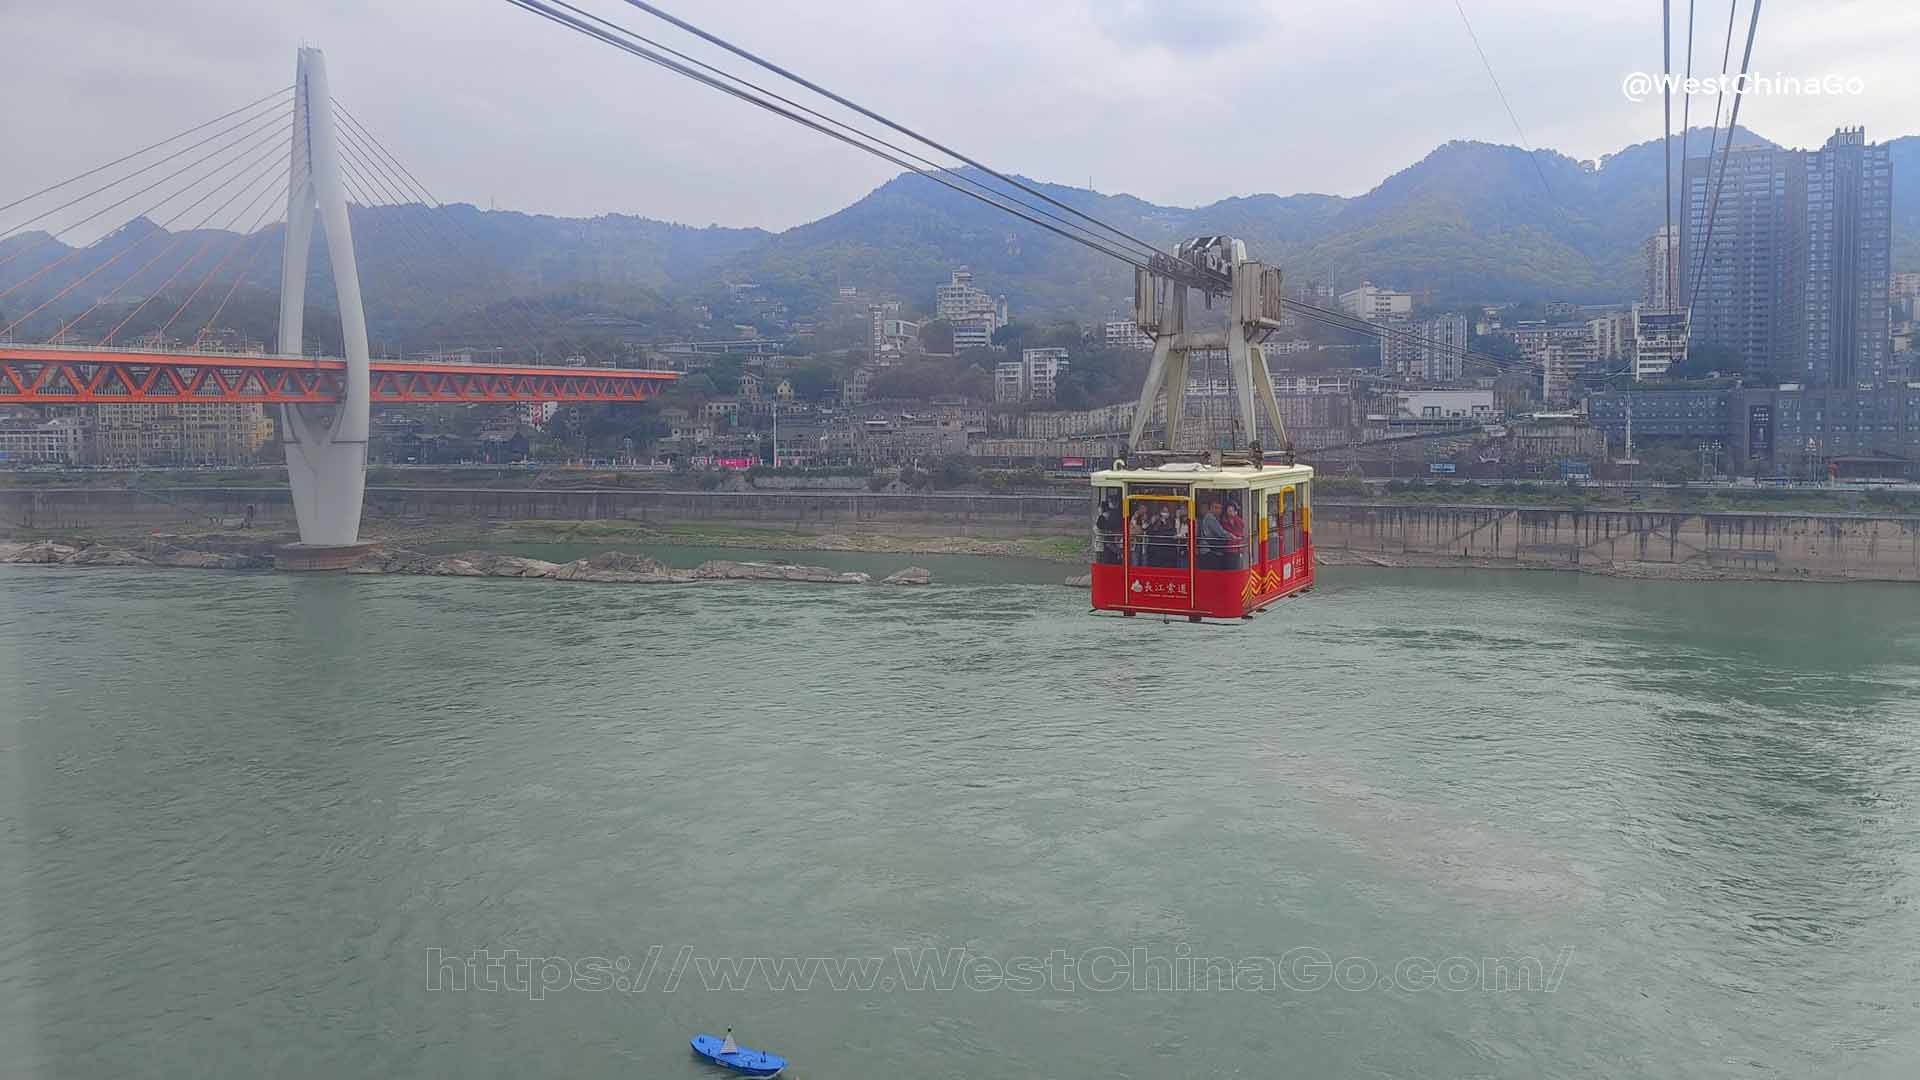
1778, 267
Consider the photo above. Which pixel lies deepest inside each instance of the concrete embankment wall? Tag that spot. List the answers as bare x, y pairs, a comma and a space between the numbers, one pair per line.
1730, 544
1736, 544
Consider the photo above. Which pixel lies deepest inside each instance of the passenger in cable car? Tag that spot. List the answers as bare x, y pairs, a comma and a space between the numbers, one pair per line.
1108, 526
1236, 527
1142, 520
1212, 553
1179, 549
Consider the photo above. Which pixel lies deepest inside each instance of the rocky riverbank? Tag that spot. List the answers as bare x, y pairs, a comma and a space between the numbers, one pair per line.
151, 553
611, 567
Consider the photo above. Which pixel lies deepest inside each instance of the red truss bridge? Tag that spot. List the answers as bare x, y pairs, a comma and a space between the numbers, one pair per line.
51, 375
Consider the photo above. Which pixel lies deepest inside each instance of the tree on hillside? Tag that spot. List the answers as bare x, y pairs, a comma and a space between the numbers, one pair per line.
937, 336
813, 381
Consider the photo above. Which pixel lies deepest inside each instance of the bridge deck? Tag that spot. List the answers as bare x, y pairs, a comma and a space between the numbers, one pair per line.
50, 375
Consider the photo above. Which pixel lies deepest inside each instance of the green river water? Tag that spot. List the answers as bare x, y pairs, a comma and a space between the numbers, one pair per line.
1420, 824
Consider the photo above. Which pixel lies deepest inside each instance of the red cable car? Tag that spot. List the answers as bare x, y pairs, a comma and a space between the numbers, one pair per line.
1201, 540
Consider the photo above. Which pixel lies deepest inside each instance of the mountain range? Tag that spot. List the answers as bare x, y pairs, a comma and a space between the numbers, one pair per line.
1469, 222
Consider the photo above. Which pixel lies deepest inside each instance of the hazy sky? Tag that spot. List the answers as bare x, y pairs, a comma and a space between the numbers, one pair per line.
1177, 101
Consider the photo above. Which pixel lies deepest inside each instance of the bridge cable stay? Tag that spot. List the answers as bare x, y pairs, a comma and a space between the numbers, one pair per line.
244, 142
440, 229
359, 186
957, 174
206, 245
169, 198
449, 231
364, 166
714, 39
374, 181
283, 112
1719, 181
147, 215
123, 159
254, 246
540, 8
176, 239
404, 180
249, 240
353, 123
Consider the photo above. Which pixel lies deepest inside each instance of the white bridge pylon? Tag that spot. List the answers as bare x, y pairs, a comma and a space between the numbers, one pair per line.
326, 445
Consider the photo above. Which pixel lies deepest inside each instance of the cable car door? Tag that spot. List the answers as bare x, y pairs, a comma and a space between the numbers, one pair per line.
1159, 546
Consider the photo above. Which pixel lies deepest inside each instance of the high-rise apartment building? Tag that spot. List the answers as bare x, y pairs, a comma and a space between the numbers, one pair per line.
1786, 259
1849, 261
1745, 283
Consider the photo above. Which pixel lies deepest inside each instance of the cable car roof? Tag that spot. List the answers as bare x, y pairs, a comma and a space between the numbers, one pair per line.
1197, 472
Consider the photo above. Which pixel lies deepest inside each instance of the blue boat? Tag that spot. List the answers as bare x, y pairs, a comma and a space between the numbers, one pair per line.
740, 1059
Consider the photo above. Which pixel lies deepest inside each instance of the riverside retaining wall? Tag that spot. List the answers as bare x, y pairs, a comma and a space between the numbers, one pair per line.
1734, 544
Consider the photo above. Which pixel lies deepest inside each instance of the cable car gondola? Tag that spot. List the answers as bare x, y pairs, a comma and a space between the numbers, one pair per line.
1224, 536
1207, 541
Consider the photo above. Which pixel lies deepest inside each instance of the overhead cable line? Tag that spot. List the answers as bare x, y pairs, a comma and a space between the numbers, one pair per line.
1148, 249
1666, 138
1733, 125
1525, 143
714, 39
541, 9
1686, 97
1336, 319
1713, 137
1359, 325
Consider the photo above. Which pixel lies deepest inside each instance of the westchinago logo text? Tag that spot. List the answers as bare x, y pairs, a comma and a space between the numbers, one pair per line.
1102, 969
1640, 85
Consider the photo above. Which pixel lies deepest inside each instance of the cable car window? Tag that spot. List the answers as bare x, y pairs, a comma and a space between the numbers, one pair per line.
1109, 521
1272, 525
1160, 532
1289, 523
1220, 538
